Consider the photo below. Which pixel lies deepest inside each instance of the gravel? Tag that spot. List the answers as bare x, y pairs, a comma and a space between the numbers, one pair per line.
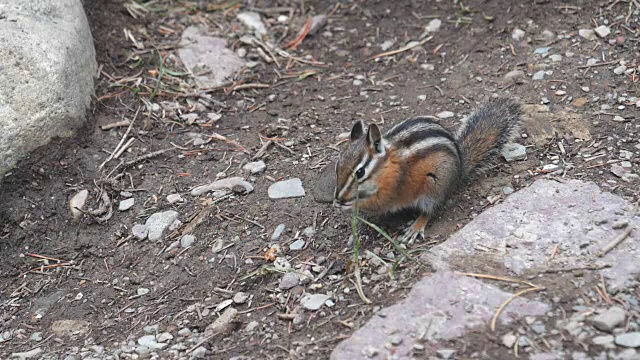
602, 31
630, 340
187, 240
140, 231
277, 232
126, 204
256, 167
445, 115
609, 319
297, 245
514, 152
313, 301
518, 34
289, 280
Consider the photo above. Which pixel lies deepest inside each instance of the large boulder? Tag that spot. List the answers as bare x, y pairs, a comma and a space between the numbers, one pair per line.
47, 67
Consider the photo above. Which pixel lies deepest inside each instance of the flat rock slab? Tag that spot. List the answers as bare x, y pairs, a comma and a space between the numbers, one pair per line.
47, 65
207, 57
520, 233
285, 189
439, 307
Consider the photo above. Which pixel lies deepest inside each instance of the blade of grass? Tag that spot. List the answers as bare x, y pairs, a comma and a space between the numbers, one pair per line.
356, 250
375, 227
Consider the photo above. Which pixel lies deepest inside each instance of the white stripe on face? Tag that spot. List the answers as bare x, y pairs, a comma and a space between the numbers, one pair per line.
352, 177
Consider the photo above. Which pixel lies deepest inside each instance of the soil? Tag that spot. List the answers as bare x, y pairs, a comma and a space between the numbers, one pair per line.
105, 266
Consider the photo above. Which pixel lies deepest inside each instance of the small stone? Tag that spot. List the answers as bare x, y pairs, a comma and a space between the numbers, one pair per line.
513, 152
602, 31
357, 82
518, 34
151, 329
592, 62
630, 178
126, 204
587, 34
149, 341
609, 319
240, 297
199, 353
509, 340
309, 231
387, 45
187, 240
255, 167
507, 190
297, 245
445, 114
433, 25
289, 280
281, 264
251, 326
618, 170
77, 202
547, 36
291, 188
542, 50
174, 198
585, 89
620, 224
184, 332
428, 67
630, 340
277, 232
446, 353
140, 231
313, 301
142, 291
620, 70
560, 93
538, 75
164, 337
158, 222
550, 168
422, 97
555, 58
602, 340
253, 21
317, 22
36, 336
214, 117
515, 76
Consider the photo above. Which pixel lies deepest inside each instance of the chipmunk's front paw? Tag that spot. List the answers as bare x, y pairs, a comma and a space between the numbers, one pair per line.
416, 230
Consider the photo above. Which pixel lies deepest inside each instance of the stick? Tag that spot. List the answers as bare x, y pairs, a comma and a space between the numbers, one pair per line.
615, 242
116, 124
504, 304
121, 141
124, 148
598, 64
500, 278
147, 156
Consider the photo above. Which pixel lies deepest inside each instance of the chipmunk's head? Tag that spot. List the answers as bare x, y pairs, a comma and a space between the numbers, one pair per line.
357, 168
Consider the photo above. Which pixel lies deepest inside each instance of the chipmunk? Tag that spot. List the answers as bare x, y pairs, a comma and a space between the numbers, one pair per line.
417, 164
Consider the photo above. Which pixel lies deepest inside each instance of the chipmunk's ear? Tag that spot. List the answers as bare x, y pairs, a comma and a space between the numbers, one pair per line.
374, 138
357, 130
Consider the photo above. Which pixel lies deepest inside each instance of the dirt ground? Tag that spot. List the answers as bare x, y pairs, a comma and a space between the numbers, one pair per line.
96, 269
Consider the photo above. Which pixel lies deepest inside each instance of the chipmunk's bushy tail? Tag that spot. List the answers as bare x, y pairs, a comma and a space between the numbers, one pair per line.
485, 131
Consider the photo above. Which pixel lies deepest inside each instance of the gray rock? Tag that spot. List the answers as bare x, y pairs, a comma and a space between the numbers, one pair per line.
627, 354
36, 336
208, 57
445, 114
618, 170
542, 50
620, 70
70, 327
140, 231
126, 204
538, 75
277, 232
507, 190
223, 184
555, 58
602, 340
174, 198
630, 340
149, 341
77, 202
151, 329
47, 62
433, 25
31, 354
324, 184
513, 152
509, 340
289, 280
158, 222
313, 301
184, 332
291, 188
164, 337
187, 240
630, 178
297, 245
518, 34
609, 319
199, 353
317, 23
253, 21
588, 34
309, 231
538, 217
439, 307
255, 167
240, 297
251, 326
446, 353
602, 31
387, 45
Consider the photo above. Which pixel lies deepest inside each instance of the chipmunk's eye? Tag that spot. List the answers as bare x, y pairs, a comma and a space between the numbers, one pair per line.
360, 173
